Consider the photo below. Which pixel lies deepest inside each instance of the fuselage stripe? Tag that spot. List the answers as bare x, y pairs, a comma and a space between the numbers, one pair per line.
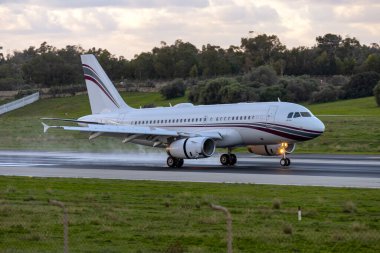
94, 77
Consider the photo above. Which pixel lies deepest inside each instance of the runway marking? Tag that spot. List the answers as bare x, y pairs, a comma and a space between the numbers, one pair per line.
25, 164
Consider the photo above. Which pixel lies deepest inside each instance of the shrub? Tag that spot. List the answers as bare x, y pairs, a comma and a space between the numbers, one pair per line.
361, 85
174, 89
24, 93
276, 204
271, 93
376, 93
262, 74
9, 83
326, 94
287, 229
349, 207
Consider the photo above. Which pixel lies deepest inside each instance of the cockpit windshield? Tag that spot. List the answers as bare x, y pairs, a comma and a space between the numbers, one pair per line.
305, 114
299, 114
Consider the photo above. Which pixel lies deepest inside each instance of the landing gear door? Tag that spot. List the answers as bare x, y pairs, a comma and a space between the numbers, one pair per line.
271, 113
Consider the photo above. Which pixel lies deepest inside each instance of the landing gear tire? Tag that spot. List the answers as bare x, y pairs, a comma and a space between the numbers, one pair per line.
233, 159
173, 162
179, 163
285, 162
226, 159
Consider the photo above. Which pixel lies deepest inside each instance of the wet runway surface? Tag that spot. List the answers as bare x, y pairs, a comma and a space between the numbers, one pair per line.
321, 170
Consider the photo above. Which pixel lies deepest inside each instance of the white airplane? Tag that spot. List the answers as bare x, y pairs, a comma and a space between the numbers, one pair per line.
187, 131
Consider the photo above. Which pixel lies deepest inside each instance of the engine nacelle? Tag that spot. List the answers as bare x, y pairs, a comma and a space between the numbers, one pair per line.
192, 148
272, 150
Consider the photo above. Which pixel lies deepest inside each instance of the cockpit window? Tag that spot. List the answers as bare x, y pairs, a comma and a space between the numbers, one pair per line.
290, 115
305, 114
296, 115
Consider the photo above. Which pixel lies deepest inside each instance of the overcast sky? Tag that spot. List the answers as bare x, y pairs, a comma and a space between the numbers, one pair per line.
129, 27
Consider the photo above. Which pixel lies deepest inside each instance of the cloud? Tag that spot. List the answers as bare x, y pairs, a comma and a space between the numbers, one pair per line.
127, 27
111, 3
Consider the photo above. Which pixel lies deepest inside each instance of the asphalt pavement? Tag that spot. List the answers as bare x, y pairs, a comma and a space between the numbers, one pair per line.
306, 169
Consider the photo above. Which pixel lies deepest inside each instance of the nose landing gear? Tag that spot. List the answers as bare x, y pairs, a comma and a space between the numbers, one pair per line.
284, 160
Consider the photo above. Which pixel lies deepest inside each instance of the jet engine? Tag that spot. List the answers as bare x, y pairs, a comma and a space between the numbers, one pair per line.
192, 148
272, 150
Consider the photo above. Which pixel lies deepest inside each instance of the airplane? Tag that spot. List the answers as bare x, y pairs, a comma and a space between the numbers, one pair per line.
188, 131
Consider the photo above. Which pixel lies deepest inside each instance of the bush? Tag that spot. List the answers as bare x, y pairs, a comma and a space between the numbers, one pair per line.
271, 93
376, 93
174, 89
326, 94
361, 85
9, 83
263, 74
24, 93
287, 229
298, 89
221, 91
339, 80
70, 89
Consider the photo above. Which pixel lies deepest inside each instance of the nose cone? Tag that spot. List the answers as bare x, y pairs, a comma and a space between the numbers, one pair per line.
318, 126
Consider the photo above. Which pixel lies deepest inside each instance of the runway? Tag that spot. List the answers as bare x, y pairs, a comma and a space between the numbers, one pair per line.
311, 170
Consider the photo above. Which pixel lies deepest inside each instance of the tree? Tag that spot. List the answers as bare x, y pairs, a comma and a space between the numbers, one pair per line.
361, 85
376, 92
261, 50
174, 89
372, 63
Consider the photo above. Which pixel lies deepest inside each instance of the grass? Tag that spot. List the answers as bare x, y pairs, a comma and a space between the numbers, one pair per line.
355, 130
5, 101
139, 216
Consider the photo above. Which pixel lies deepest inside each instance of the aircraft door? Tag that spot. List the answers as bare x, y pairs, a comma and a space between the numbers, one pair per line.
205, 120
271, 113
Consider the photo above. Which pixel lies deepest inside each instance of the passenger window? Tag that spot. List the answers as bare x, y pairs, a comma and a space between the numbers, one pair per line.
305, 114
290, 115
245, 117
297, 115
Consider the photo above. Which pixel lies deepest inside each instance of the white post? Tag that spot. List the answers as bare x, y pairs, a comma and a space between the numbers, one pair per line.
299, 214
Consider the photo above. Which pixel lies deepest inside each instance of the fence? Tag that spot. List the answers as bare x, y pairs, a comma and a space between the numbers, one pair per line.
19, 103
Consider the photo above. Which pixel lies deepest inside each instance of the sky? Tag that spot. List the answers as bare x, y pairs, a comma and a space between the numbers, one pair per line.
129, 27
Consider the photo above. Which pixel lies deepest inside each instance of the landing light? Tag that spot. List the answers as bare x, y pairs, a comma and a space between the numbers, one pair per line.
282, 151
284, 145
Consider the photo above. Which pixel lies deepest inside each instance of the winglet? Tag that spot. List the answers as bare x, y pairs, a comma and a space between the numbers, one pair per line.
46, 127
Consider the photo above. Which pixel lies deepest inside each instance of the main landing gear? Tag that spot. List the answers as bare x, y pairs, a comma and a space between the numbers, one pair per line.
228, 159
173, 162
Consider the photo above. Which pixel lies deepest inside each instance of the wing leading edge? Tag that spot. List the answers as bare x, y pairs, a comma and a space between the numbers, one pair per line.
98, 129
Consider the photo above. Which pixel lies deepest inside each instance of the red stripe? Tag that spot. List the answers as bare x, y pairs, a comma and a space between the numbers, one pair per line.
296, 128
90, 78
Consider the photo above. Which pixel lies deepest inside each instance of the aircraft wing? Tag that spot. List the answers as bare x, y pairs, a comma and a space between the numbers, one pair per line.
98, 129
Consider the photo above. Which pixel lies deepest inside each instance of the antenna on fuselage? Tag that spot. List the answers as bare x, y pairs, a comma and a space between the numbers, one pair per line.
278, 99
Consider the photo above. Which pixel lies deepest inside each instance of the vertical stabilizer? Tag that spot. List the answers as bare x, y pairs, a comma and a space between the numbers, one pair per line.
102, 93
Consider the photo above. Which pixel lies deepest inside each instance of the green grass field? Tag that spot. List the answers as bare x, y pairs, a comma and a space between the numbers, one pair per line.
355, 130
140, 216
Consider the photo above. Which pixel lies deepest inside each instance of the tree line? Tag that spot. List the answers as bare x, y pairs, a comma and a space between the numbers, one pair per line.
48, 66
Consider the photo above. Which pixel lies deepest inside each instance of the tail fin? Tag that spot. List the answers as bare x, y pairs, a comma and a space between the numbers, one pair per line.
102, 93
